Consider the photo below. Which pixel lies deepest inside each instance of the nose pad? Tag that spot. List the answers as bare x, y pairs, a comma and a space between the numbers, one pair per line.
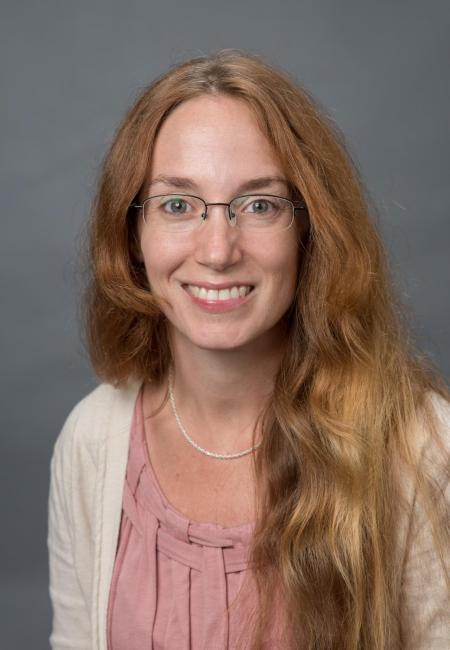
230, 214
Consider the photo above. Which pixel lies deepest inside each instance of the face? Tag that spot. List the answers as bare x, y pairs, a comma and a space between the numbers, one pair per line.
215, 143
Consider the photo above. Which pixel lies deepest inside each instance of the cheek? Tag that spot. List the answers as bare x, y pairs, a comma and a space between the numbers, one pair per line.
161, 259
161, 256
285, 265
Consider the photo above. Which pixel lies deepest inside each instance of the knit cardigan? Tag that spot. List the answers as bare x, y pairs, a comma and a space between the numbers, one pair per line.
87, 474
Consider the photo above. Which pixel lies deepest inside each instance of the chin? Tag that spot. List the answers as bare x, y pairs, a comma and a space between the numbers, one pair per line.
218, 344
225, 340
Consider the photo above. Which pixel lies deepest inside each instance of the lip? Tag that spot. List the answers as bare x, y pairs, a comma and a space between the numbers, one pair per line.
218, 306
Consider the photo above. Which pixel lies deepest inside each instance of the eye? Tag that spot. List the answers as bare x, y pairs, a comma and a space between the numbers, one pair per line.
176, 205
260, 205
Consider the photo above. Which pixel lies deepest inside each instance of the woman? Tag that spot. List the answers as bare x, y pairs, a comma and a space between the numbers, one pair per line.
266, 461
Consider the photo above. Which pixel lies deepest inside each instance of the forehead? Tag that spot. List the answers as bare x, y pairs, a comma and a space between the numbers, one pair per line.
213, 139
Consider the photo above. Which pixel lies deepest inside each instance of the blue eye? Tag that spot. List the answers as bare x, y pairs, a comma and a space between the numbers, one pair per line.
261, 205
177, 205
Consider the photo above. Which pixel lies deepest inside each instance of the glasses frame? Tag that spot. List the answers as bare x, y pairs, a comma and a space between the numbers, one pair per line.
296, 205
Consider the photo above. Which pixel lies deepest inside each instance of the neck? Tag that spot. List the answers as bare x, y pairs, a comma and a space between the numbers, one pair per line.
219, 394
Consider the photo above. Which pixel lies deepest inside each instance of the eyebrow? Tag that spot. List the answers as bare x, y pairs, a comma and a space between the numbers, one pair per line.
248, 186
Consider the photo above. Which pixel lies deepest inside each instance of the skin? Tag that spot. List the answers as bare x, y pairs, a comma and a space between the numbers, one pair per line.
225, 362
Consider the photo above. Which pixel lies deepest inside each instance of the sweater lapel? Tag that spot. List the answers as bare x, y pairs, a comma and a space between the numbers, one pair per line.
113, 455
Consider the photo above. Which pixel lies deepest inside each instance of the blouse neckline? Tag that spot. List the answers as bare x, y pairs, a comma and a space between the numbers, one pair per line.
139, 432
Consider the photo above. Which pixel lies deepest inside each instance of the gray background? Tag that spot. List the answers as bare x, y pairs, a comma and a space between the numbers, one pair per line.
70, 70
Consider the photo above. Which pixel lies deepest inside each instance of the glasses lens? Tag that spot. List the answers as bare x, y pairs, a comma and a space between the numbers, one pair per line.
262, 212
173, 212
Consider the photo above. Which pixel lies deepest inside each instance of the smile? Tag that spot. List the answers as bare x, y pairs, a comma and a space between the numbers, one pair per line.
213, 295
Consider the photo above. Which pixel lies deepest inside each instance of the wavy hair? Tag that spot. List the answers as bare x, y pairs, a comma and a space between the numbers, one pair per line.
351, 435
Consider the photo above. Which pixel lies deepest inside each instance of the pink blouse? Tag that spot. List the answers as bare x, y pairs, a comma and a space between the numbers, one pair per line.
173, 578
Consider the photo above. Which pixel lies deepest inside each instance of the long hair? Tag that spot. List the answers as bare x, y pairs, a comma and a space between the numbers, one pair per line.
351, 434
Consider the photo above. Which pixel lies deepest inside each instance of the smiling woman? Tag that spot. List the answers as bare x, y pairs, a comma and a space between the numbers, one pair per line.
266, 461
258, 257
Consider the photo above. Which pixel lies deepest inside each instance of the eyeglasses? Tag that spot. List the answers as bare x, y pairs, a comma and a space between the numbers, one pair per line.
174, 213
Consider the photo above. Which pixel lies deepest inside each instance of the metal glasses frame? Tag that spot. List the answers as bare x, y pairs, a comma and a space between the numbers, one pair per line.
296, 205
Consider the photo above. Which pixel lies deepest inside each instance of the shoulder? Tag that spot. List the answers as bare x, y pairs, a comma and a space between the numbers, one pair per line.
434, 436
103, 413
428, 438
425, 595
441, 408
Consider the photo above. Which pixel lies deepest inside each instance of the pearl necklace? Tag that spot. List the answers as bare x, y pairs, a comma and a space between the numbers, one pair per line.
194, 444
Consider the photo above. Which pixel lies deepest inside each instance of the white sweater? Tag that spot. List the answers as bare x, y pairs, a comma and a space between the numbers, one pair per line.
85, 501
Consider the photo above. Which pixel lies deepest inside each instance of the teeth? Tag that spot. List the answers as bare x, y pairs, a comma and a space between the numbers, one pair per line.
221, 294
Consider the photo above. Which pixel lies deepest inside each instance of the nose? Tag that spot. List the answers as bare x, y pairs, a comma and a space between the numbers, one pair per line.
217, 240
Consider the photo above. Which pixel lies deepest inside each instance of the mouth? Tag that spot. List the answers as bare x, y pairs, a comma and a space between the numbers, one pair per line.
219, 295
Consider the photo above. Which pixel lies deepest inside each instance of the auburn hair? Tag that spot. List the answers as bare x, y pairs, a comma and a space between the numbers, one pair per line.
351, 431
